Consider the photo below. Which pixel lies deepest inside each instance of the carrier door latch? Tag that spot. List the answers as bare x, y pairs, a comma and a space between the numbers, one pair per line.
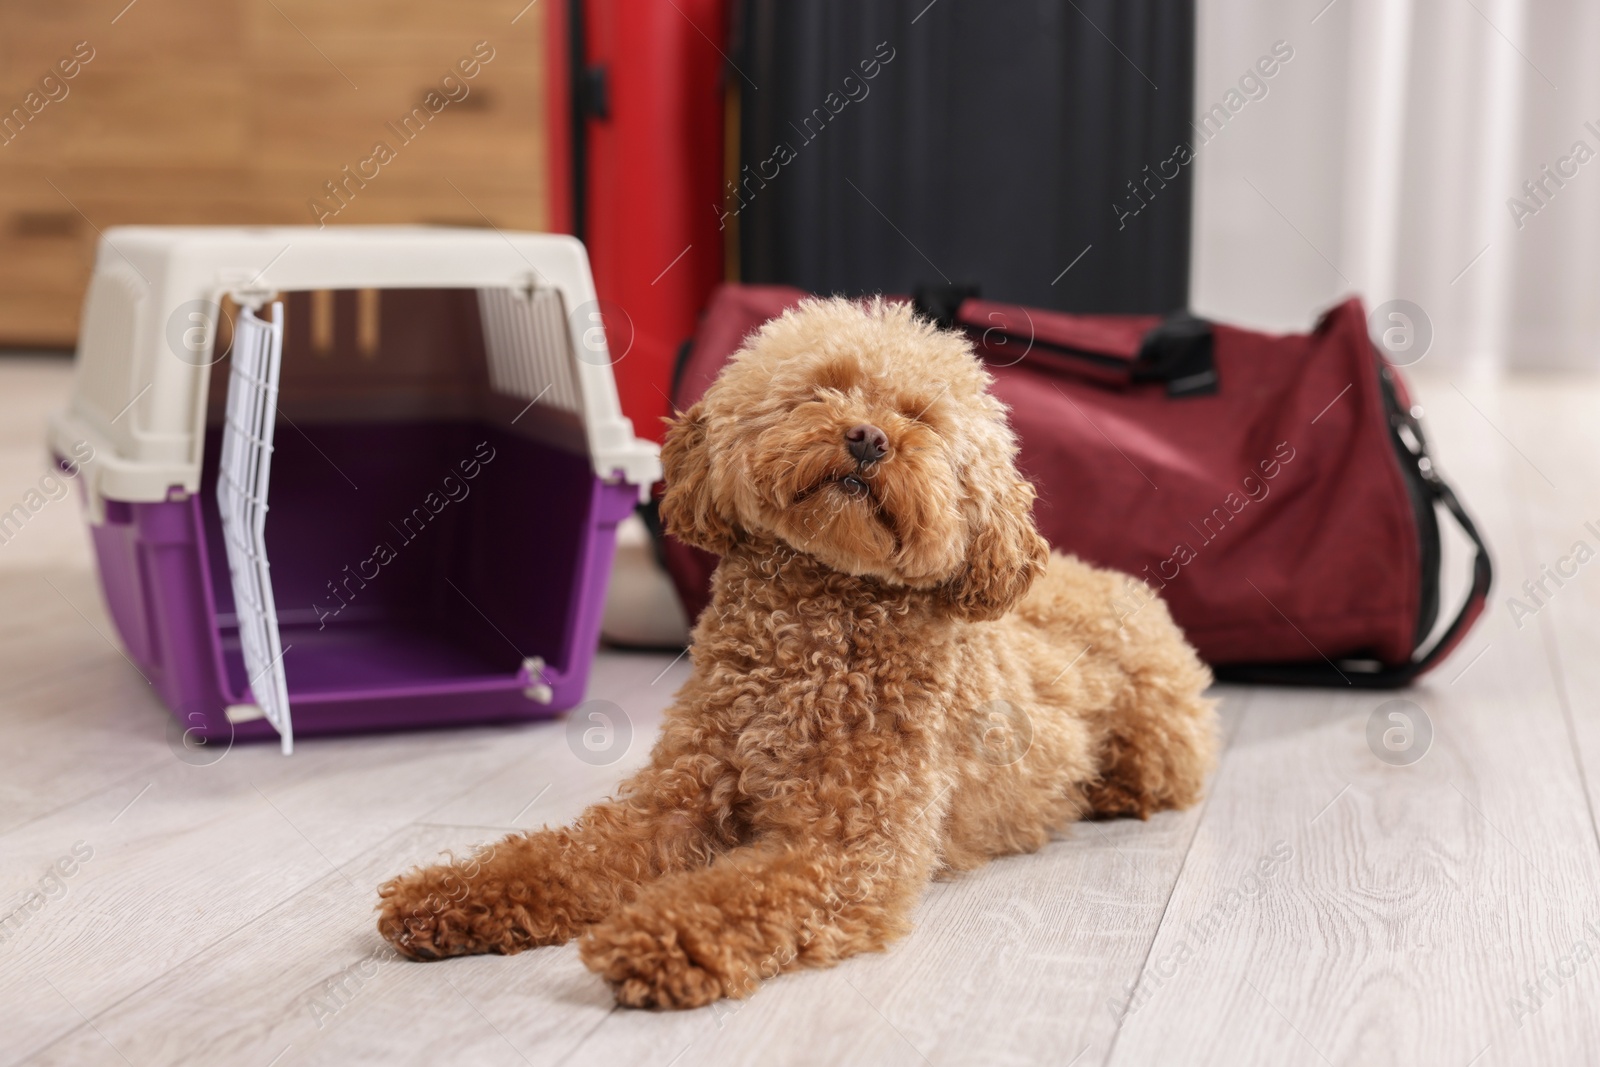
254, 298
534, 687
244, 288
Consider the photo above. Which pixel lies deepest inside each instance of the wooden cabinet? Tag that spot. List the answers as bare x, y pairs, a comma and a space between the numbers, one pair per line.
241, 112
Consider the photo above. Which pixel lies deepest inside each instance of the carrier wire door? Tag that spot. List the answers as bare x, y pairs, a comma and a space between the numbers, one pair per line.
243, 475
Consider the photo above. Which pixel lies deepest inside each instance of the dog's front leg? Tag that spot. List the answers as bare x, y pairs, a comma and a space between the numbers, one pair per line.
786, 902
542, 888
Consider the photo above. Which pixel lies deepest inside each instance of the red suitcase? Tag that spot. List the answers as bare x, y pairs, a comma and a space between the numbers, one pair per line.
635, 113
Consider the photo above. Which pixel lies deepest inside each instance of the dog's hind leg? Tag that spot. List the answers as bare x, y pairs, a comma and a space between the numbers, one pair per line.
1155, 753
542, 888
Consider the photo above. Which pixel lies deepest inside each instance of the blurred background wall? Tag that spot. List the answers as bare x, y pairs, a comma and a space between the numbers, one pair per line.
1385, 156
239, 111
1388, 160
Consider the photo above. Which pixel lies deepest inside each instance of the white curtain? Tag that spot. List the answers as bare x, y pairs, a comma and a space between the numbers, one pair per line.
1387, 158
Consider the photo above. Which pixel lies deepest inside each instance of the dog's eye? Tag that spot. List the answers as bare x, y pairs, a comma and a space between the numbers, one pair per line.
915, 410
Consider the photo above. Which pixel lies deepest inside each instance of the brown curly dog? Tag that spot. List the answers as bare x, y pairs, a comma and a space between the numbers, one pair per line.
894, 679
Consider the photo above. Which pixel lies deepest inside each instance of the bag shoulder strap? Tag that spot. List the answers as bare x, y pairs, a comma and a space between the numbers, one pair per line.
1321, 673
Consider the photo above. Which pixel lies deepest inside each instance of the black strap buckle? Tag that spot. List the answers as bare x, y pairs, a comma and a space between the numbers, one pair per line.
939, 304
1179, 352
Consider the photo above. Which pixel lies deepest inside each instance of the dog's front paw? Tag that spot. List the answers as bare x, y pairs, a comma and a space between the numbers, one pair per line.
427, 914
435, 912
655, 959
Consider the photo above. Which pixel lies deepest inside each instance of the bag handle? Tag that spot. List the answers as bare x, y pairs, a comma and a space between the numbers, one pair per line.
1322, 674
1109, 339
1116, 351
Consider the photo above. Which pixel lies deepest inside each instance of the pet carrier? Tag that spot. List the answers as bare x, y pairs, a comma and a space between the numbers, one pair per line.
366, 477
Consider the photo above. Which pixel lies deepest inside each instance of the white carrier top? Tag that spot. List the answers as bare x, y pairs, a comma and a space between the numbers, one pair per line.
149, 324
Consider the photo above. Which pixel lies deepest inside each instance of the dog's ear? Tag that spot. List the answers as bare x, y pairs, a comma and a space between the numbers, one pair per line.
687, 511
1004, 555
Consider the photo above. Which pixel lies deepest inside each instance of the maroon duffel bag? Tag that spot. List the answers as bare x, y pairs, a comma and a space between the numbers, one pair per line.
1275, 489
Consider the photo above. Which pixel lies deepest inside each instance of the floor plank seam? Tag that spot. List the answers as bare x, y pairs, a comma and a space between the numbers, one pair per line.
153, 768
587, 1034
88, 1020
1166, 905
1558, 679
33, 682
503, 831
422, 820
293, 895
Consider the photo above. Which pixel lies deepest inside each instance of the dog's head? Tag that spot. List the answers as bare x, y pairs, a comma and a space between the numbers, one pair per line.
865, 438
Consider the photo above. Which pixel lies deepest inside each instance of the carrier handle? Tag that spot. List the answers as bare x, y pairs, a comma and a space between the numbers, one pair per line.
1318, 674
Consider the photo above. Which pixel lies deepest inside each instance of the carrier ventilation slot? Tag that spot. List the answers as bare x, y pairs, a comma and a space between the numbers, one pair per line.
528, 346
244, 470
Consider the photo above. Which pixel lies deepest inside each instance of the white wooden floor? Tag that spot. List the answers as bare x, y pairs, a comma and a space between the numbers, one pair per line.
1407, 914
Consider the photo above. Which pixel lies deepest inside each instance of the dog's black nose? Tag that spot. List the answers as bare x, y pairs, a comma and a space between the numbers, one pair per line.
867, 443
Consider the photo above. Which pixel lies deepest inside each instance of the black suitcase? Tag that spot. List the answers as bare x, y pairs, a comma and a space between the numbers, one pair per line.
1016, 145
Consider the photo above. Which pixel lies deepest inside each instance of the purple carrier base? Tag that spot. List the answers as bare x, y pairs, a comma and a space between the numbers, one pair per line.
165, 584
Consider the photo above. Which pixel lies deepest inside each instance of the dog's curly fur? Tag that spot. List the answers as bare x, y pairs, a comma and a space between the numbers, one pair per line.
895, 678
